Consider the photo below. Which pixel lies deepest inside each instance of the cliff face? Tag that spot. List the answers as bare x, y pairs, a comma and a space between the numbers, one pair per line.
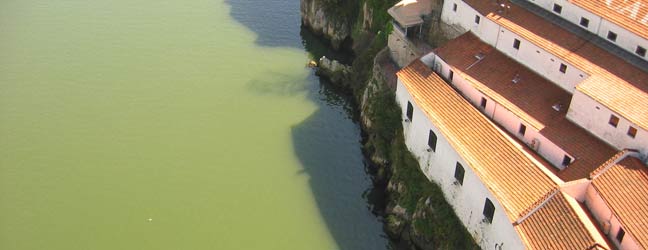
416, 213
324, 20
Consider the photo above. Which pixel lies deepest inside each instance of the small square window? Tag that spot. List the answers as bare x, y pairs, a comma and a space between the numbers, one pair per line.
563, 68
489, 211
611, 36
614, 121
516, 44
459, 173
584, 22
522, 129
410, 111
483, 103
640, 51
566, 160
477, 19
454, 7
557, 8
620, 235
432, 141
632, 132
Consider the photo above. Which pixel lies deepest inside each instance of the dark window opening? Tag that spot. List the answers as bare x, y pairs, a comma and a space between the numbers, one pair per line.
620, 235
557, 8
451, 75
432, 140
632, 132
522, 129
477, 19
614, 121
563, 68
454, 7
640, 51
459, 173
584, 22
611, 36
566, 161
516, 44
489, 211
483, 103
410, 111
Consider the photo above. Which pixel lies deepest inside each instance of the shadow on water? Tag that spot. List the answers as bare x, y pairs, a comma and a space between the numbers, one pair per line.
327, 143
276, 22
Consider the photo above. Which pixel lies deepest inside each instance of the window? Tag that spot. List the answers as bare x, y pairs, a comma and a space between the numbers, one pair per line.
451, 75
640, 51
632, 132
584, 22
614, 121
620, 235
454, 7
612, 36
432, 140
410, 111
522, 129
459, 173
563, 68
489, 211
477, 19
483, 103
557, 8
516, 44
566, 160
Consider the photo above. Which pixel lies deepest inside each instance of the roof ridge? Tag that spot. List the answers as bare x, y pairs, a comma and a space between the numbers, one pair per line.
541, 202
611, 162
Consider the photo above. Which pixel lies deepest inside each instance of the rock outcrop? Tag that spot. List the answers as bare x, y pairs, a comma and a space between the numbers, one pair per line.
322, 21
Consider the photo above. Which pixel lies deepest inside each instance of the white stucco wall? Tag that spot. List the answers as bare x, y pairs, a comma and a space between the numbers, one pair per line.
603, 214
599, 26
594, 117
439, 166
540, 61
529, 55
503, 117
625, 39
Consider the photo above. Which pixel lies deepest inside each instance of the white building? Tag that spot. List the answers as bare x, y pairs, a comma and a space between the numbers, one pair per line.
503, 195
609, 94
537, 128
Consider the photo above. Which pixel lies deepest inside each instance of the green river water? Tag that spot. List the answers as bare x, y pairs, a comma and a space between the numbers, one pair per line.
141, 124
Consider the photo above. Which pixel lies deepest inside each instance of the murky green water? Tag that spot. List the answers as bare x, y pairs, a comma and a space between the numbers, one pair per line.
141, 124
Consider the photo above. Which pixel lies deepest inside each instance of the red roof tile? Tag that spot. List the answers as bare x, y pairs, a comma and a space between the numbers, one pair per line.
531, 99
511, 175
624, 188
560, 223
613, 82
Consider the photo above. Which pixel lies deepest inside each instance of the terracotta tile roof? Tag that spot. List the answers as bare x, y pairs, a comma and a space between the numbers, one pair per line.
624, 188
560, 223
612, 81
620, 12
511, 175
588, 151
531, 99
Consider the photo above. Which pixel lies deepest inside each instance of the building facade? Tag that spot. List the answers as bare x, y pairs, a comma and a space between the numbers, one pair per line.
531, 127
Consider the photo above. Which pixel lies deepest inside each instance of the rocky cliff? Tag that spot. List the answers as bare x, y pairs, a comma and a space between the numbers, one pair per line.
324, 19
416, 214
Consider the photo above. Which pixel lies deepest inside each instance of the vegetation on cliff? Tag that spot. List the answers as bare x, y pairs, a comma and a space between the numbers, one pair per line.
417, 216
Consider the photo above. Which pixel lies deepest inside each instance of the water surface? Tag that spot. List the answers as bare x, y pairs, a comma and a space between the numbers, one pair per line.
172, 125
